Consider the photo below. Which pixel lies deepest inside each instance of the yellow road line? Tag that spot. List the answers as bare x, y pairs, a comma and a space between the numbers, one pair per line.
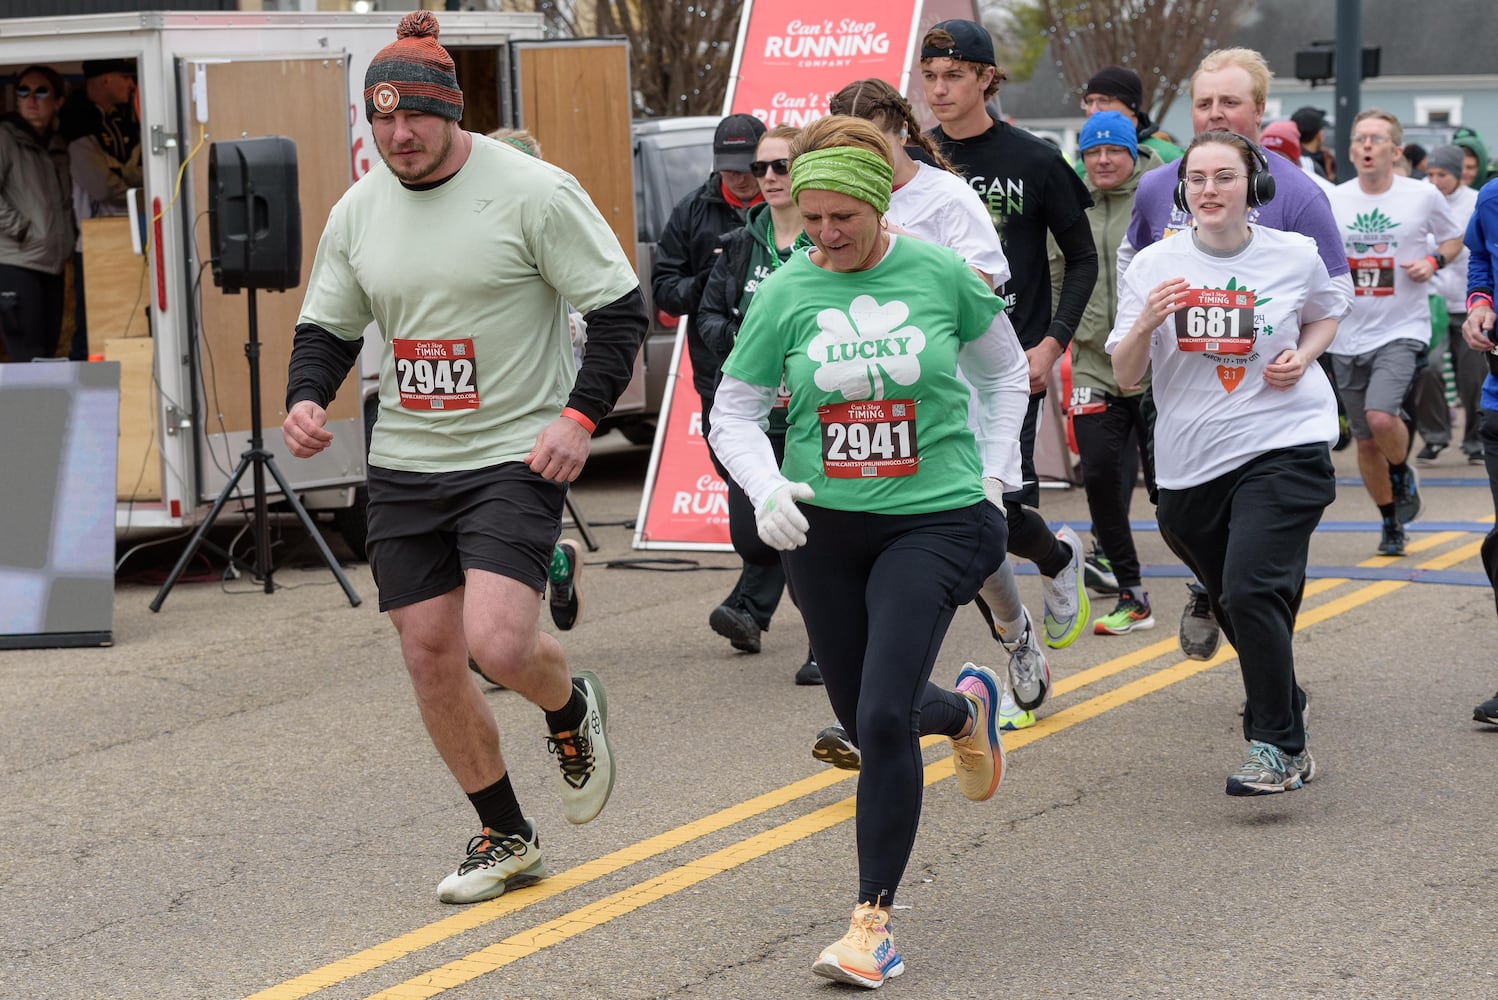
530, 941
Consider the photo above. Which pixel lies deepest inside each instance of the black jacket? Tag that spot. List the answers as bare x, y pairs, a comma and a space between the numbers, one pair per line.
683, 260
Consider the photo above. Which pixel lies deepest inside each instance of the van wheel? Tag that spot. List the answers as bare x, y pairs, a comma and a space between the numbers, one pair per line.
639, 432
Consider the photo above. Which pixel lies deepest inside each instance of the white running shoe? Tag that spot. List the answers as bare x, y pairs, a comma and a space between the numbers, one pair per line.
1066, 602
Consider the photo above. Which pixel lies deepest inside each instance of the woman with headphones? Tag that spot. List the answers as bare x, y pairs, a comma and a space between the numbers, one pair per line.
1231, 318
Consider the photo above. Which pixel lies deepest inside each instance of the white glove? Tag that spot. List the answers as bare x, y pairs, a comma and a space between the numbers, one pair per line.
781, 524
993, 489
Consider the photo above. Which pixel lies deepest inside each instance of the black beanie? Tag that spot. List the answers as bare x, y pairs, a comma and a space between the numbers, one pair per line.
1116, 81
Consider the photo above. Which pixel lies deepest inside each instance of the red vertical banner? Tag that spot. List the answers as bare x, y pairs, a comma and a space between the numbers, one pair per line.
793, 56
685, 501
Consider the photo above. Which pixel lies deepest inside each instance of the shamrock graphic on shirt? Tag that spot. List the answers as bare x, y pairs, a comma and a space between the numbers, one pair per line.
860, 351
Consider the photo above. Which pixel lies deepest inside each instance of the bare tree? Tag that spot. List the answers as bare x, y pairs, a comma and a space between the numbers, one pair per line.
1161, 40
680, 53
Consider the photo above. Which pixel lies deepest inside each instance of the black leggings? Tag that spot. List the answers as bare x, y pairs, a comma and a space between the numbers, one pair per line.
1104, 440
877, 592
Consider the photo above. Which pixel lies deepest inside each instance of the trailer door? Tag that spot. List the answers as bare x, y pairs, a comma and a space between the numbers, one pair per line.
573, 95
304, 98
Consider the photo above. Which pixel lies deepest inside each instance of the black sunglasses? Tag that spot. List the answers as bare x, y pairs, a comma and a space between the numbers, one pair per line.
761, 167
40, 92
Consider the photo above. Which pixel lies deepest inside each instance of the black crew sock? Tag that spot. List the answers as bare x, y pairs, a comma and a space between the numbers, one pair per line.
1387, 511
569, 717
497, 808
1398, 469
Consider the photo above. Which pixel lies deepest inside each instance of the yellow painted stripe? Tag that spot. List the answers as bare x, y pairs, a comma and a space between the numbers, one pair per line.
477, 915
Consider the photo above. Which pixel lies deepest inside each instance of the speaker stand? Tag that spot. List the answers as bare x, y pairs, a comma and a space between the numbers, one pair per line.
261, 461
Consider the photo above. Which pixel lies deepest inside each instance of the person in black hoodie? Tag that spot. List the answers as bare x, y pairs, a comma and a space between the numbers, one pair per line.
688, 249
37, 228
771, 233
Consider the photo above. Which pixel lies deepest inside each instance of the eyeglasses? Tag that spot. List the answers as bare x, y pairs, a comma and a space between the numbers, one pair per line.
1099, 102
1377, 140
1222, 180
40, 93
761, 167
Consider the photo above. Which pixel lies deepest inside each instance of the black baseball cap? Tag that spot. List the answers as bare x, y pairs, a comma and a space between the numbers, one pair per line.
970, 43
734, 142
1310, 121
99, 67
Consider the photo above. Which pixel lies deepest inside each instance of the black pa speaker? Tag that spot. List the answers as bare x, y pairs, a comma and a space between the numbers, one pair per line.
254, 214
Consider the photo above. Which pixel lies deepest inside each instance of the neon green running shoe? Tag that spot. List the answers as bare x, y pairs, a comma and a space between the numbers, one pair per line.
1131, 614
1011, 716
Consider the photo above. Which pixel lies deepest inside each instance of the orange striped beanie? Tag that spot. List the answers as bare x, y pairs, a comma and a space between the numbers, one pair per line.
413, 72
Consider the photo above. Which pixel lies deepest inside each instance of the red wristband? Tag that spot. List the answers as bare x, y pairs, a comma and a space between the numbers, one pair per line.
581, 418
1435, 265
1476, 297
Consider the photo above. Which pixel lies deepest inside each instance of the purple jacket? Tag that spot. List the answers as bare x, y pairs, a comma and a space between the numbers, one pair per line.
1298, 206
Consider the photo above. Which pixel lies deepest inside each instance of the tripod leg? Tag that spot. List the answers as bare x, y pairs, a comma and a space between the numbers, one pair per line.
583, 527
301, 512
197, 536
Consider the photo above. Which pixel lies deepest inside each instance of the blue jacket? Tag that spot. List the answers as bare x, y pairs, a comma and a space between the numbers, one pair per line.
1482, 242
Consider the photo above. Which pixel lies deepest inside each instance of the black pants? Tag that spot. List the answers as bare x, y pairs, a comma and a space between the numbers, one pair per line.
1247, 535
877, 593
1104, 441
761, 578
30, 312
1488, 434
1471, 369
1029, 537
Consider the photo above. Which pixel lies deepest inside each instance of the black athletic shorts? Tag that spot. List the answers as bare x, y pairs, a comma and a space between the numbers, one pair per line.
426, 528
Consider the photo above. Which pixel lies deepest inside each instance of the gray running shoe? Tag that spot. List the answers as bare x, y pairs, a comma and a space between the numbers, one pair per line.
833, 747
1199, 635
496, 863
1487, 712
1303, 761
1266, 769
584, 756
1029, 673
1407, 502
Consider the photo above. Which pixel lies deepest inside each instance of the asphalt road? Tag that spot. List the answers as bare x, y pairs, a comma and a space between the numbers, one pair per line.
238, 799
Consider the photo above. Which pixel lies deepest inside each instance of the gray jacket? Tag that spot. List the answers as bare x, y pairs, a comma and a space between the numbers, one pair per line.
37, 229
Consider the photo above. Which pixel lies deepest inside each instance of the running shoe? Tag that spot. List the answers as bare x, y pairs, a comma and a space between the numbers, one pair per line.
565, 600
978, 757
1430, 452
809, 673
1130, 615
833, 747
1029, 673
1303, 761
1391, 542
1066, 603
1407, 502
866, 955
1266, 769
1487, 712
1097, 572
496, 863
737, 626
1011, 716
1199, 634
584, 756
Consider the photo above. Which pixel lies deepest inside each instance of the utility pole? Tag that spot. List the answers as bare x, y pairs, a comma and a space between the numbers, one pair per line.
1349, 79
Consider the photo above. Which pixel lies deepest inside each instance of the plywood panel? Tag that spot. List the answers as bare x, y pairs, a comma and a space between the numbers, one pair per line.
114, 282
139, 475
574, 98
304, 99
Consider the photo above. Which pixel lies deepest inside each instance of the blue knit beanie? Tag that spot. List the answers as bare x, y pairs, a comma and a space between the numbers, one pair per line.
1109, 128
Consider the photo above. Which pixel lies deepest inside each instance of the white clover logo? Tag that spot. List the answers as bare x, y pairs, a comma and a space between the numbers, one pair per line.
858, 350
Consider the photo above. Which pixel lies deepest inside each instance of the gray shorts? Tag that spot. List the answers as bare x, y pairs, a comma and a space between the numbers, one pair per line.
1377, 380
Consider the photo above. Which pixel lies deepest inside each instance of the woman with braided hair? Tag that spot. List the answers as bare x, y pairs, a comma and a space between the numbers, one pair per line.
885, 504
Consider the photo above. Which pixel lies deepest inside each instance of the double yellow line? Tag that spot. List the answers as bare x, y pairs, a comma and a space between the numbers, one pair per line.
585, 918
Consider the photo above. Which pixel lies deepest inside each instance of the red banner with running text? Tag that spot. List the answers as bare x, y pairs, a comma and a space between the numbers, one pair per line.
685, 501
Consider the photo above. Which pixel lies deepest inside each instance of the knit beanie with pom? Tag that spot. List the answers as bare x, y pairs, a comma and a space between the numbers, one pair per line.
413, 73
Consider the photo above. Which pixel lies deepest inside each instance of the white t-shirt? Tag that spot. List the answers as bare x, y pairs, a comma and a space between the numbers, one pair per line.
939, 207
1450, 282
1381, 232
1216, 412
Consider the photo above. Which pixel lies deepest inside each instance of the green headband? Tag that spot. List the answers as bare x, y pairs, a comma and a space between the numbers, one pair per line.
847, 170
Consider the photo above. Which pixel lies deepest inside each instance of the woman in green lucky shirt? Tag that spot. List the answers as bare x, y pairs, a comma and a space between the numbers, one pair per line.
889, 511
